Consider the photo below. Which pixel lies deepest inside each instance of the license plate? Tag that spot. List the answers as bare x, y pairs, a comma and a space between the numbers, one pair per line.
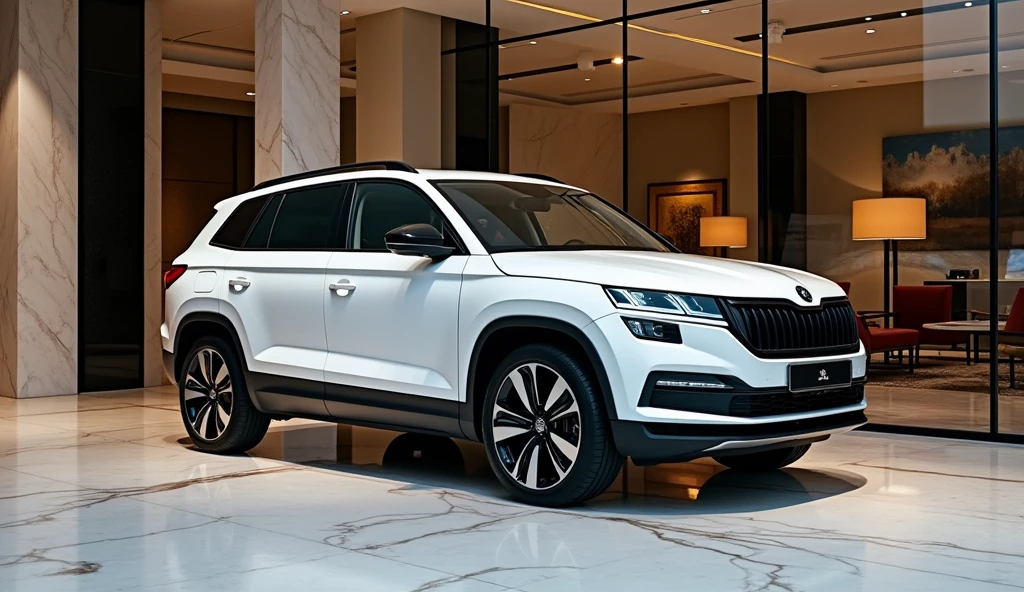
823, 375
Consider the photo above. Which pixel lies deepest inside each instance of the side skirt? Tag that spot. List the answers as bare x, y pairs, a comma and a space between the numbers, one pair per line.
286, 397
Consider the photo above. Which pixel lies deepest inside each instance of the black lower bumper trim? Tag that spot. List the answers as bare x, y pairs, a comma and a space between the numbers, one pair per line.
650, 443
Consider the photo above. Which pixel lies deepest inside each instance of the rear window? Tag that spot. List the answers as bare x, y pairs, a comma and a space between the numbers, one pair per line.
232, 233
260, 233
307, 219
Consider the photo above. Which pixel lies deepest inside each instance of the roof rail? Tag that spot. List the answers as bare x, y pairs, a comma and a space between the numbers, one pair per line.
376, 165
539, 176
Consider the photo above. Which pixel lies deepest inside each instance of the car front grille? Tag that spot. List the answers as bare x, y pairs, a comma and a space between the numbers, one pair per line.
781, 329
783, 403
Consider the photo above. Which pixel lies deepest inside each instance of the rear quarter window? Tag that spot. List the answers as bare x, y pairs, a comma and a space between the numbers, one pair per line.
236, 227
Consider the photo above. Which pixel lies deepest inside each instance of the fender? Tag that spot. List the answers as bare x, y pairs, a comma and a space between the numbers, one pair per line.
467, 417
213, 317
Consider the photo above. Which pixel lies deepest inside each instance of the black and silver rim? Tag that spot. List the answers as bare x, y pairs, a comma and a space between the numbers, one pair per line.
536, 426
209, 394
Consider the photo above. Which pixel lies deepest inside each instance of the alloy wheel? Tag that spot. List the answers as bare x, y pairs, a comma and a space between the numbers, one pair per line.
208, 394
536, 426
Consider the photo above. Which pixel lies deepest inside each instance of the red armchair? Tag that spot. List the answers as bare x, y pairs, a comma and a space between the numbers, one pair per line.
1014, 330
881, 339
913, 306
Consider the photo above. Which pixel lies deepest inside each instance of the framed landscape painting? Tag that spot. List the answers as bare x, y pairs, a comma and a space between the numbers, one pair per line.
951, 171
674, 211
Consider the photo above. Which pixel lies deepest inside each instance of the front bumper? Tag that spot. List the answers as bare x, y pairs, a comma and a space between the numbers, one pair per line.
652, 443
706, 350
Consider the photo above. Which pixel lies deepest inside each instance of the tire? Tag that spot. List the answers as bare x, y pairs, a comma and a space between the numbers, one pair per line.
768, 460
533, 456
225, 421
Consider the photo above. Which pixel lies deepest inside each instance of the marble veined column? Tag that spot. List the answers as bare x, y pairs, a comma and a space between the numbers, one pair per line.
152, 364
38, 197
298, 97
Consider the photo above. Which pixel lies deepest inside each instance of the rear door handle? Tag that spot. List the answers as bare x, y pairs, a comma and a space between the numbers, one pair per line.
238, 284
342, 288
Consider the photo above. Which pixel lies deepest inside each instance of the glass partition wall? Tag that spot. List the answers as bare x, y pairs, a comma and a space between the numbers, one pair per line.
853, 139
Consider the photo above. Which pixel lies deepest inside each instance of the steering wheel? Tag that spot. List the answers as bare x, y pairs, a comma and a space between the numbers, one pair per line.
573, 242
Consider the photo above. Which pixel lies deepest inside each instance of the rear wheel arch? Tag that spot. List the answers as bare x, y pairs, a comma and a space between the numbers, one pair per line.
197, 325
507, 334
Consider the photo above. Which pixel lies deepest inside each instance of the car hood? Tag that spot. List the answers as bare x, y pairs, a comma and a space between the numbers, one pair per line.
670, 272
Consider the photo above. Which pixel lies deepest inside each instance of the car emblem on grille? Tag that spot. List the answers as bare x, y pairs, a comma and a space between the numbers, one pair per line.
823, 375
802, 291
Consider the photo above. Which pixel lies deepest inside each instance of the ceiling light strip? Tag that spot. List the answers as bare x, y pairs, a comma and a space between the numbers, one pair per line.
669, 34
589, 25
860, 20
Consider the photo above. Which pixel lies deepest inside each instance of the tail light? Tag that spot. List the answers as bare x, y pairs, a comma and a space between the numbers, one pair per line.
172, 274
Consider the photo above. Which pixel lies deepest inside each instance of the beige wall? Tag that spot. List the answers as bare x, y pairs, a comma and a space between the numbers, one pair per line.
575, 147
687, 144
743, 170
398, 106
844, 146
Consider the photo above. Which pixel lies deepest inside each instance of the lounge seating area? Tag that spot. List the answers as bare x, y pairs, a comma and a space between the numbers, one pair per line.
921, 319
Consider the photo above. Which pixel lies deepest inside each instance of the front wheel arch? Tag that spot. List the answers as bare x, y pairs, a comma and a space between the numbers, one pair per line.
507, 334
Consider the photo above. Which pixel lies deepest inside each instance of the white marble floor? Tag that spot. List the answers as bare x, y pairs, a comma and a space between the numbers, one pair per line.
104, 493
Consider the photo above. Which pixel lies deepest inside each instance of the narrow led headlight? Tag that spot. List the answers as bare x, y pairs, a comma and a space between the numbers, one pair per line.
666, 302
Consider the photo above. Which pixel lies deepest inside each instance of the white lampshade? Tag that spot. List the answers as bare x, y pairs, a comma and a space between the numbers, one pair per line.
723, 231
890, 218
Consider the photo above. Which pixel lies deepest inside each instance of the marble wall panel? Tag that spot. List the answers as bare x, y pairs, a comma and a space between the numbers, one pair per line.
47, 198
298, 108
152, 366
576, 147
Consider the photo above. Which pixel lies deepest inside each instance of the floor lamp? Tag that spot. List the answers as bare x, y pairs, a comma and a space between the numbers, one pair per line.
890, 220
723, 231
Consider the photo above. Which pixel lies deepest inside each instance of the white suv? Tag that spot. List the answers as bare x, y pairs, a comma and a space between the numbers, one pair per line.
513, 310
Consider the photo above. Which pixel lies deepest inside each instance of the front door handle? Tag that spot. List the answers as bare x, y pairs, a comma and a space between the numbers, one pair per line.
238, 284
342, 288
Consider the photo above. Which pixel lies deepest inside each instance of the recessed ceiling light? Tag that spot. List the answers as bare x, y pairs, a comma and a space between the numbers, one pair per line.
903, 14
956, 71
250, 94
1005, 66
867, 18
344, 12
968, 4
617, 61
869, 31
705, 11
533, 43
586, 80
833, 86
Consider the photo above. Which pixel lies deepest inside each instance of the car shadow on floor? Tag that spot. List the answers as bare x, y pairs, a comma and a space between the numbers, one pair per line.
432, 462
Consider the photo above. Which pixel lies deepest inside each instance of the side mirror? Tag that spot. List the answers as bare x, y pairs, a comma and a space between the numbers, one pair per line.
418, 240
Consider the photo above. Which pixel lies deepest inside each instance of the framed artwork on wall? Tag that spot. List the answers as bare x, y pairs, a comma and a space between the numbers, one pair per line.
951, 171
674, 211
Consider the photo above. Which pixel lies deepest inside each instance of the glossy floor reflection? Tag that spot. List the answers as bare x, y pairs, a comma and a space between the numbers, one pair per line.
104, 492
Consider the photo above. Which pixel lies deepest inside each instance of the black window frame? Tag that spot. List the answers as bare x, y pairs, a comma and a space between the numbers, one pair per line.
339, 233
447, 229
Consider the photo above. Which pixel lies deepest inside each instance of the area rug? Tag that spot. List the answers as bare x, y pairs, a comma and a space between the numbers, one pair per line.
954, 375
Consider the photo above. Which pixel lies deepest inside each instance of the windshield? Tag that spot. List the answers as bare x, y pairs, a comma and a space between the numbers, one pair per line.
509, 216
